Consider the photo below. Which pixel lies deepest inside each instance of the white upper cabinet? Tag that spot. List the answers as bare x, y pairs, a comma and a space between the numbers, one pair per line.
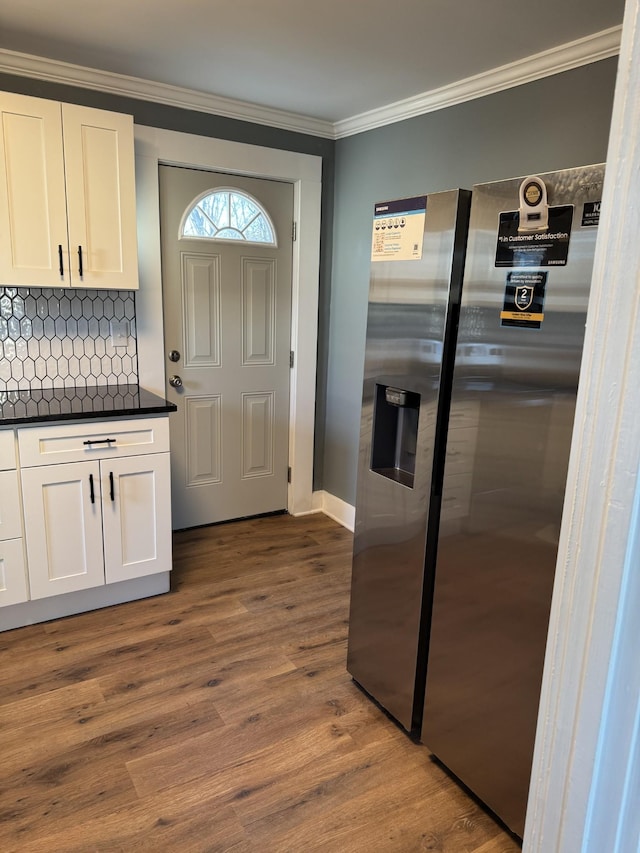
67, 196
101, 200
33, 209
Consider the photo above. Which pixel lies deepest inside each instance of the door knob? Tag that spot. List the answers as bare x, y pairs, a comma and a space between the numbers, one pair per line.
174, 355
175, 382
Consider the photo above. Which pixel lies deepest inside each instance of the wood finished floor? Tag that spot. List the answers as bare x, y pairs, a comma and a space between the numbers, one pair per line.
219, 717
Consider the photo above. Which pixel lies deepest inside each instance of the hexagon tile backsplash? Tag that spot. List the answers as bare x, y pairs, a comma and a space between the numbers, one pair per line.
62, 338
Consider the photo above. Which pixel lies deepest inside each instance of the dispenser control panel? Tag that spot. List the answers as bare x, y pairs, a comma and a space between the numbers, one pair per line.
395, 396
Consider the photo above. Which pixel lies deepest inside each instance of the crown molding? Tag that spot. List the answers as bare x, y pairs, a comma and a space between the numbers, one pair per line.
584, 51
26, 65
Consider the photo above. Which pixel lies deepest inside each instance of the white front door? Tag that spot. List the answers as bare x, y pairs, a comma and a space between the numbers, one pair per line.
227, 313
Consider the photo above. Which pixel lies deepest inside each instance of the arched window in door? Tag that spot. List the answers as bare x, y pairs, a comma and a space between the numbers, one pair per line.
228, 214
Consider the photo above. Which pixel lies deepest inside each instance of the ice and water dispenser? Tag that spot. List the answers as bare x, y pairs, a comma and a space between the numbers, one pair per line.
395, 433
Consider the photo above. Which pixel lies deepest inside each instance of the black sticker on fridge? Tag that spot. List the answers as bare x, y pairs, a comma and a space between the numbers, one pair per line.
524, 300
520, 248
591, 213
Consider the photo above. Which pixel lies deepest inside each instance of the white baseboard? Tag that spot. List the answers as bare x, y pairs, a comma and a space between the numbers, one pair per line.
334, 507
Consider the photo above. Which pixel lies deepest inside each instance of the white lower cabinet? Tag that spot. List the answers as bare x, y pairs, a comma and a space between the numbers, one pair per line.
99, 520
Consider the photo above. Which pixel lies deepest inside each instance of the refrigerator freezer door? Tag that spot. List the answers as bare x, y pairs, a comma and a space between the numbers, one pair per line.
410, 311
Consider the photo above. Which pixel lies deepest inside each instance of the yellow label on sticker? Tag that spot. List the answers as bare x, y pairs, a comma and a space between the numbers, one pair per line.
521, 315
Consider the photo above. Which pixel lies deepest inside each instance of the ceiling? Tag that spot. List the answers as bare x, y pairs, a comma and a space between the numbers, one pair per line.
328, 61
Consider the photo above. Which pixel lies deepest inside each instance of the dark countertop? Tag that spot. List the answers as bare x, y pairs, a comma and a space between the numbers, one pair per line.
39, 405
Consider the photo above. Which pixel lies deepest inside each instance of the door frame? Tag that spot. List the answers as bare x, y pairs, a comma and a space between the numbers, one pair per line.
155, 146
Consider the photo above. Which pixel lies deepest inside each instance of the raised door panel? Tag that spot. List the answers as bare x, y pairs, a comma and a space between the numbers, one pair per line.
100, 179
63, 528
33, 217
257, 435
136, 516
201, 301
204, 440
13, 578
258, 311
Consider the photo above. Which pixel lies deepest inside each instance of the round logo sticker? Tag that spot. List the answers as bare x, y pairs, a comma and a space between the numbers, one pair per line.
532, 193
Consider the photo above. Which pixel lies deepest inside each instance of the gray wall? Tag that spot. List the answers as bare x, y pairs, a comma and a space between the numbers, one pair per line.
555, 123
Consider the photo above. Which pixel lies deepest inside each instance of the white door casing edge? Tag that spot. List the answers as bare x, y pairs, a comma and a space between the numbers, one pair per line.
155, 146
583, 793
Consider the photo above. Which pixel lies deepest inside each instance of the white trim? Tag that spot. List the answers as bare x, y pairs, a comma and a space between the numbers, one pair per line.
334, 507
155, 146
584, 51
40, 68
584, 793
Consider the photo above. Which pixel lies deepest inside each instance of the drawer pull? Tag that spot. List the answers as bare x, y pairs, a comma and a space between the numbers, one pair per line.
92, 494
111, 490
91, 441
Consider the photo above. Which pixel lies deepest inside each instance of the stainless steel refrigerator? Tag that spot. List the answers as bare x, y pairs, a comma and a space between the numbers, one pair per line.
412, 315
522, 320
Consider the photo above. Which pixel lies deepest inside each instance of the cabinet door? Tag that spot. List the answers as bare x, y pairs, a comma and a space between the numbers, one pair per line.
13, 578
100, 180
33, 217
63, 527
136, 516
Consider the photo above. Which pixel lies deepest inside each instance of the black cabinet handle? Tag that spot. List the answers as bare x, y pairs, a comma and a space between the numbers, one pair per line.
61, 265
80, 261
92, 493
91, 441
111, 491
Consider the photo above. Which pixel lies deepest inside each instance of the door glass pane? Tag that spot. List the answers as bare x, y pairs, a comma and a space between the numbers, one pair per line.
228, 214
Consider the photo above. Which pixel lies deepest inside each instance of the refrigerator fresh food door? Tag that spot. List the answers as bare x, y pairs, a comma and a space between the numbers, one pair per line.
520, 338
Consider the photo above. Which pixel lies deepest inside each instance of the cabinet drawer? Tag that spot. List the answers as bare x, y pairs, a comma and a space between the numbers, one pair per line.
7, 450
10, 523
76, 442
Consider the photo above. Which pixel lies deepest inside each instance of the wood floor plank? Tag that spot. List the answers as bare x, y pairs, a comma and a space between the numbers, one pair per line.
52, 792
219, 717
59, 712
151, 827
209, 753
59, 665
